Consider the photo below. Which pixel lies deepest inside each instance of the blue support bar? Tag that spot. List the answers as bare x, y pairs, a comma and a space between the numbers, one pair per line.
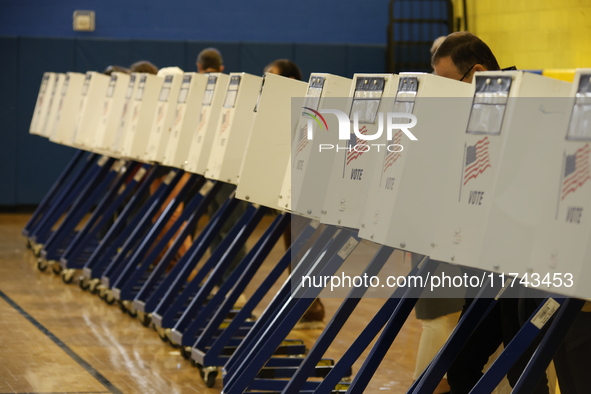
210, 354
220, 306
318, 248
142, 221
68, 194
50, 197
287, 317
322, 344
115, 237
54, 246
549, 345
149, 249
160, 270
73, 256
190, 321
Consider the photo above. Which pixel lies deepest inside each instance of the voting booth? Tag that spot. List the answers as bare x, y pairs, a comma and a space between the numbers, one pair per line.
366, 108
137, 131
196, 157
112, 109
163, 117
308, 172
233, 127
267, 150
53, 98
89, 112
491, 205
561, 252
42, 104
185, 119
403, 199
67, 109
126, 113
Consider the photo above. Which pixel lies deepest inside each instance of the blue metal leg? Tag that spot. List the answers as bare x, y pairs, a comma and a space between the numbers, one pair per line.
549, 345
477, 310
219, 306
320, 247
308, 366
211, 356
115, 237
187, 326
73, 256
287, 318
54, 246
142, 221
68, 194
159, 271
168, 300
49, 198
148, 251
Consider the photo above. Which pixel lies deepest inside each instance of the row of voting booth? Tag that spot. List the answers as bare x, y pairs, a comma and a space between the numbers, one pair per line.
491, 177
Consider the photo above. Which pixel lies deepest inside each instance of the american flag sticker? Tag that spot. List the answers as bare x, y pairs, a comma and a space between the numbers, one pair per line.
576, 171
356, 146
303, 139
477, 160
391, 157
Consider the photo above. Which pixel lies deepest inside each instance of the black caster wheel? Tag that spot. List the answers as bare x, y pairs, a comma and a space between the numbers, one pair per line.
198, 366
93, 286
56, 267
107, 297
132, 313
146, 320
163, 337
41, 264
84, 283
209, 376
185, 352
68, 276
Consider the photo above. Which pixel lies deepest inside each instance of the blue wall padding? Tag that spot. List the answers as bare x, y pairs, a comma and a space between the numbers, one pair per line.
8, 119
38, 161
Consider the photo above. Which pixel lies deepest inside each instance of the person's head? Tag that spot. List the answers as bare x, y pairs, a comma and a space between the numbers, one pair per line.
114, 68
285, 68
143, 66
460, 55
210, 60
436, 44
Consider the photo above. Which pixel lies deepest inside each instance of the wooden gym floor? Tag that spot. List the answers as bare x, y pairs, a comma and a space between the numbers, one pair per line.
57, 338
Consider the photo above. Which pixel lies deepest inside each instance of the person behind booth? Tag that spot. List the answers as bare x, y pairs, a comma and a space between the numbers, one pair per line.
209, 60
458, 57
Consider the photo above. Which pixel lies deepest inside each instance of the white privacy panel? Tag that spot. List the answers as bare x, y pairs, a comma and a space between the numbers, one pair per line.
42, 104
45, 124
142, 109
126, 113
233, 128
89, 112
486, 210
367, 111
186, 116
308, 173
163, 117
561, 252
267, 151
196, 158
403, 199
111, 108
67, 110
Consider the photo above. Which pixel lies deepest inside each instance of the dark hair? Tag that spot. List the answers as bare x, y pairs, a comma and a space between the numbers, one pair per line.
287, 68
114, 68
143, 66
210, 58
466, 50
